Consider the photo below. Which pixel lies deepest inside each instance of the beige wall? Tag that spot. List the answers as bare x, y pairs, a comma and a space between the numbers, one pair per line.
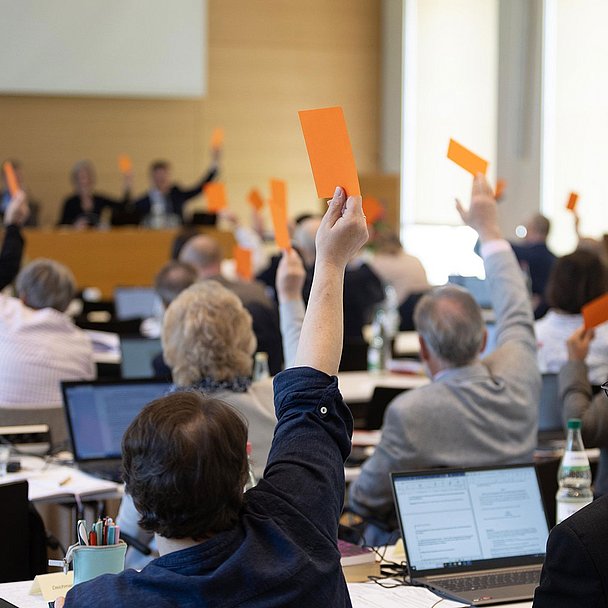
267, 59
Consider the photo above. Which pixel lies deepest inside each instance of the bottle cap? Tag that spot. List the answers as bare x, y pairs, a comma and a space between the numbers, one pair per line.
574, 423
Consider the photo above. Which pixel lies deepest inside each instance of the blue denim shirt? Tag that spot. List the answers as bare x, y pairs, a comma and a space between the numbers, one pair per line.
284, 551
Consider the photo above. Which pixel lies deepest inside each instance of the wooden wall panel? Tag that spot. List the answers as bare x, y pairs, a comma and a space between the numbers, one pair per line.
267, 59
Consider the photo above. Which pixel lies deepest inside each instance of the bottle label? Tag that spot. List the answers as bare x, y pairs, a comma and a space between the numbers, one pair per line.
565, 509
575, 460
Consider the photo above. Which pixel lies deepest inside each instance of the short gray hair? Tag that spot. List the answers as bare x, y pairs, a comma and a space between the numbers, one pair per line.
46, 283
450, 321
172, 279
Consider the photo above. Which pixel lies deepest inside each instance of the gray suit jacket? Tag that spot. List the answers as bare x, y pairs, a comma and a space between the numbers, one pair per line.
481, 414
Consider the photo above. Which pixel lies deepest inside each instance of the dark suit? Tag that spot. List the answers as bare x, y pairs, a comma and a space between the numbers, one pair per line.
575, 573
175, 199
10, 255
72, 208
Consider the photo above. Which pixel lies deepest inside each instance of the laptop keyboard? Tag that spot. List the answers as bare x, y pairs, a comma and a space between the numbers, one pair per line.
490, 581
111, 472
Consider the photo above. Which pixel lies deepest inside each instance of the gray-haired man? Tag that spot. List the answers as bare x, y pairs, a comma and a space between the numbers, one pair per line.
475, 411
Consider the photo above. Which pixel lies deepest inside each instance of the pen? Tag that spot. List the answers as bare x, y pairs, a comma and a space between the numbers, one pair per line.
92, 538
65, 481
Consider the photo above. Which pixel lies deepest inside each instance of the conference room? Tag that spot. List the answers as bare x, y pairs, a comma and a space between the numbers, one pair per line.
175, 181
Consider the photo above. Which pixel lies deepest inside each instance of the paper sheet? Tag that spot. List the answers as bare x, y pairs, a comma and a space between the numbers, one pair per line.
217, 138
244, 266
278, 210
255, 199
572, 200
19, 594
595, 312
372, 595
215, 192
124, 164
466, 159
11, 178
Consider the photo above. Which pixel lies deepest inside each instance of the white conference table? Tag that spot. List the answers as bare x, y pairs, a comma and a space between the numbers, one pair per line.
18, 594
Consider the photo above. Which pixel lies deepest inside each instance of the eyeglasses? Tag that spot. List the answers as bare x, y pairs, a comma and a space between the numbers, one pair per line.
604, 387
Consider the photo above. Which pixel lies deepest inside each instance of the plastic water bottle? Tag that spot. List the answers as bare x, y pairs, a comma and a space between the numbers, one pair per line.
251, 480
392, 318
261, 371
376, 351
574, 475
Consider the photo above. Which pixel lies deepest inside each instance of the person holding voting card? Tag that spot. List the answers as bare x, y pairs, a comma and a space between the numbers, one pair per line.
185, 464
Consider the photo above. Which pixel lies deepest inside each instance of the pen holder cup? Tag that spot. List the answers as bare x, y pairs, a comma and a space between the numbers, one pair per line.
90, 562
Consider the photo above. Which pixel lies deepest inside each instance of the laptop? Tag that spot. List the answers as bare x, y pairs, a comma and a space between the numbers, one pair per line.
475, 535
477, 287
136, 303
98, 414
138, 353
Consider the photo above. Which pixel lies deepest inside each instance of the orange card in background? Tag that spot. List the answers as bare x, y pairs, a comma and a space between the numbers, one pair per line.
572, 200
595, 312
11, 179
466, 159
329, 150
278, 210
124, 163
217, 138
216, 196
372, 209
255, 199
501, 186
244, 266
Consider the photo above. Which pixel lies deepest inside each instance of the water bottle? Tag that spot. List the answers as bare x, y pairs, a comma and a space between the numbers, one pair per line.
251, 480
376, 351
574, 475
261, 371
392, 318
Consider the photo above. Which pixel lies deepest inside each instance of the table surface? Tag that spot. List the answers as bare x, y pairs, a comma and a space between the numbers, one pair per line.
358, 387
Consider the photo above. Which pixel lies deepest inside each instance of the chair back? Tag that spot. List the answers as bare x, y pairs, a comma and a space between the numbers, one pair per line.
382, 396
550, 410
14, 532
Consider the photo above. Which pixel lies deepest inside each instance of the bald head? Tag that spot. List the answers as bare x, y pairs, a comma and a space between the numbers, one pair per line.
204, 254
450, 322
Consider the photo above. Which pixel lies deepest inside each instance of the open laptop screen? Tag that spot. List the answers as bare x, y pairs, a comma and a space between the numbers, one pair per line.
462, 519
138, 355
99, 413
136, 303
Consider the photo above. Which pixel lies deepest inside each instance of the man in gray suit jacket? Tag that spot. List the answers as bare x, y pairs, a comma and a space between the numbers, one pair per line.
475, 411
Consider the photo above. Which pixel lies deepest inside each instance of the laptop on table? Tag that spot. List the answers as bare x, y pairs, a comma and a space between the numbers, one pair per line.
98, 414
476, 535
138, 353
136, 303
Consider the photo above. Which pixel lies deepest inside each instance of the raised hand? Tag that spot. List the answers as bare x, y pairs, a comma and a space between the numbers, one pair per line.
482, 214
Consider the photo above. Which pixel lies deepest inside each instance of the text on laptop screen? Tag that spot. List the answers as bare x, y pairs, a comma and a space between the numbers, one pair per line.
456, 519
100, 414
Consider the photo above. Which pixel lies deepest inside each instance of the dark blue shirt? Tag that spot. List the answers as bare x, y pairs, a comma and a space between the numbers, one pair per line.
284, 551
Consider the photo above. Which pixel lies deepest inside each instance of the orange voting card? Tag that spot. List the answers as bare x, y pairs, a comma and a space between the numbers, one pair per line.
216, 196
595, 312
124, 163
501, 186
11, 179
329, 150
217, 138
572, 200
372, 209
278, 210
255, 199
466, 159
244, 267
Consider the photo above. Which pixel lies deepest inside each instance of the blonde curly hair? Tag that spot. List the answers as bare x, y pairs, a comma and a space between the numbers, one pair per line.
207, 334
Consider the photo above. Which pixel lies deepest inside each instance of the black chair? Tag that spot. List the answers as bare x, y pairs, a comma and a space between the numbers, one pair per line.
382, 396
354, 355
23, 547
406, 311
122, 328
550, 424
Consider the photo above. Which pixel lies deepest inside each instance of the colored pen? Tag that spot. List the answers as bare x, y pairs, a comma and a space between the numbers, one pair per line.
92, 538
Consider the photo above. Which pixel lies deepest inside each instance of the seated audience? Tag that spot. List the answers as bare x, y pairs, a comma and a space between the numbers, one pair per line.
536, 259
575, 572
395, 267
164, 202
576, 395
575, 280
5, 196
475, 411
208, 344
85, 206
185, 466
204, 253
15, 216
40, 346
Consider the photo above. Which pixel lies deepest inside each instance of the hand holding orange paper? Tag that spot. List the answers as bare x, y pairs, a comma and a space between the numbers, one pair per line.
501, 186
216, 196
572, 200
278, 210
11, 179
124, 164
595, 312
466, 159
255, 199
244, 266
217, 138
329, 150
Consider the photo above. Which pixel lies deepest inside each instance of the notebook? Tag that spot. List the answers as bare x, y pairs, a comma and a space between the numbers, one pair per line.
98, 414
137, 356
136, 303
475, 535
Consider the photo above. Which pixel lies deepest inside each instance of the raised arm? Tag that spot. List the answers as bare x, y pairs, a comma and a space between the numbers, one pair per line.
16, 215
342, 233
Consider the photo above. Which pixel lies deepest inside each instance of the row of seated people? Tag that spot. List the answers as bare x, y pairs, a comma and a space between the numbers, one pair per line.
491, 402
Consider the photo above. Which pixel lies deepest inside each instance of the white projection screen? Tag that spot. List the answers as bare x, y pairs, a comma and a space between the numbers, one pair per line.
117, 48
